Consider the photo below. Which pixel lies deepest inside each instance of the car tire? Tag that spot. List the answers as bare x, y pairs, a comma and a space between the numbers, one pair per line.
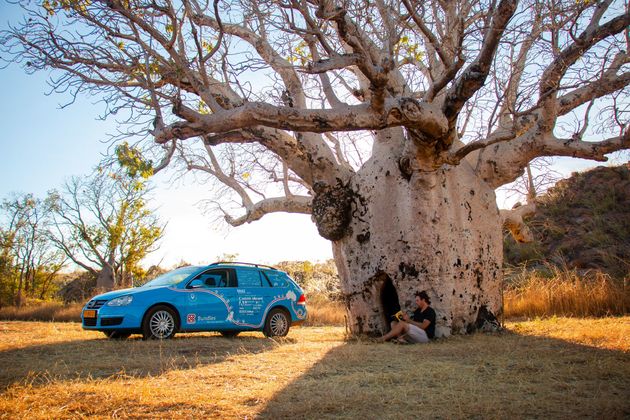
230, 334
277, 324
116, 335
160, 323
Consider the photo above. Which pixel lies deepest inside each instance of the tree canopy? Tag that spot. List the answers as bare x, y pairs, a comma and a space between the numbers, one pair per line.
291, 92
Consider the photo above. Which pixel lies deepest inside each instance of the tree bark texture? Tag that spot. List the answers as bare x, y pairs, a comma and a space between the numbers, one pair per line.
437, 230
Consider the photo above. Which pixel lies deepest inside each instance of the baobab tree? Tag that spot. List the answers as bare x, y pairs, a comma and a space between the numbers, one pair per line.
391, 122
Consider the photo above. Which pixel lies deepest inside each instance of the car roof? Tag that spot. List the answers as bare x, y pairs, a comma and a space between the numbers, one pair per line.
241, 264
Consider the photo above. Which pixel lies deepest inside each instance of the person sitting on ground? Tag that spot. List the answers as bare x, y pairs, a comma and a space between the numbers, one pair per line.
418, 329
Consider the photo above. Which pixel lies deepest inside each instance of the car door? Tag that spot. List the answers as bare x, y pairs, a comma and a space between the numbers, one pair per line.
210, 300
254, 295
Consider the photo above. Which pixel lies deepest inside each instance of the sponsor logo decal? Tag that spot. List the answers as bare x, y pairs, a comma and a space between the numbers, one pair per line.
191, 318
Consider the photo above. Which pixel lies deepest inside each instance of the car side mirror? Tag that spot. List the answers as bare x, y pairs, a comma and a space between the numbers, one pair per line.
196, 284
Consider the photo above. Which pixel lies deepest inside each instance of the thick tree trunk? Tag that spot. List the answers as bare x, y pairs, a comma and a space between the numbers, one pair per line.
105, 280
19, 297
438, 231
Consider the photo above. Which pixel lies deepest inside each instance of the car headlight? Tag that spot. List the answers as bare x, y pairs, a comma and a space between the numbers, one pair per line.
121, 301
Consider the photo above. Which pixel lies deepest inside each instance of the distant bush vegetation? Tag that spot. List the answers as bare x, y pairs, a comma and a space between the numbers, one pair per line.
315, 278
581, 223
37, 310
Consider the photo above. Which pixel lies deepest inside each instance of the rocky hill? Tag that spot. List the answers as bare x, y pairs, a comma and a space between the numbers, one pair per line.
583, 222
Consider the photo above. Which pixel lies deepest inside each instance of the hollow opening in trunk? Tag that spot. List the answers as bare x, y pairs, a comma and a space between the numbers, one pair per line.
389, 300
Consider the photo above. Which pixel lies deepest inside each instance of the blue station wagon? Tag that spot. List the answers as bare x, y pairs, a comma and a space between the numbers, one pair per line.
224, 297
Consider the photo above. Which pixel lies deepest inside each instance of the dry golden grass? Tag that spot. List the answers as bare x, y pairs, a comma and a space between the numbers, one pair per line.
566, 294
556, 368
43, 311
323, 311
603, 333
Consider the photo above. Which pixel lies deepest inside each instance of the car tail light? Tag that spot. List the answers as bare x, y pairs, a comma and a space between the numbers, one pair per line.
302, 300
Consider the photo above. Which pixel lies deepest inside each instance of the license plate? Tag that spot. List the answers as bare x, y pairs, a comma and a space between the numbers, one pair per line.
89, 314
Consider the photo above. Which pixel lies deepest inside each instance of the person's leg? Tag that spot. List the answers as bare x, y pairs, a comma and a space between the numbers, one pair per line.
398, 329
416, 335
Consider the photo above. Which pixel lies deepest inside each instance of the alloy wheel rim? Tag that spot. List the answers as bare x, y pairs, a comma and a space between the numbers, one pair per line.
162, 324
278, 324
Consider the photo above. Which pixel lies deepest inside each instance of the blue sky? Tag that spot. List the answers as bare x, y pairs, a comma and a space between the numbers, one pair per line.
42, 145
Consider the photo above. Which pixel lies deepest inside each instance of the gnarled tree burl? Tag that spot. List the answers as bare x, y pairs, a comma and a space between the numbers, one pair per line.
392, 122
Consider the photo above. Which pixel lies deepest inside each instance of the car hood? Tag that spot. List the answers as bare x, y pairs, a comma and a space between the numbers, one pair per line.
116, 293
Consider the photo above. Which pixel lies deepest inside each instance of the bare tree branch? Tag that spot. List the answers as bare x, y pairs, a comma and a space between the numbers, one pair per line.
295, 204
405, 111
608, 83
550, 80
513, 220
474, 76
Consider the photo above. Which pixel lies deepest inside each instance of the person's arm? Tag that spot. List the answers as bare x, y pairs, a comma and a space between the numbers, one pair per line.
424, 324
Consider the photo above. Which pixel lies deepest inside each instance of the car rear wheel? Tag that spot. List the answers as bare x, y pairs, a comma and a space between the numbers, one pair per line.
116, 335
160, 323
277, 323
229, 334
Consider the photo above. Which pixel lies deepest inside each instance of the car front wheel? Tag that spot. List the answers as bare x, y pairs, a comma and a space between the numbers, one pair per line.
160, 323
277, 324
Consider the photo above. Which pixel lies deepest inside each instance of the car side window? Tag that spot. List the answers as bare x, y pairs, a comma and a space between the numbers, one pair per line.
277, 278
214, 278
249, 278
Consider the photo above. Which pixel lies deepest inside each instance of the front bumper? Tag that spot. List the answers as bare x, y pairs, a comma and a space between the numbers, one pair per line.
111, 318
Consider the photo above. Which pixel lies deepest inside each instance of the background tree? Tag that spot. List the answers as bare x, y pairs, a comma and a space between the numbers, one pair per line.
391, 122
28, 263
102, 224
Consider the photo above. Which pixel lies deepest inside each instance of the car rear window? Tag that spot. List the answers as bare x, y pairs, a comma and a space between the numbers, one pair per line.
277, 278
249, 278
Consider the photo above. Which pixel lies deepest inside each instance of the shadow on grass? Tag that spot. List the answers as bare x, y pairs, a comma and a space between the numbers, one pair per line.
102, 358
479, 376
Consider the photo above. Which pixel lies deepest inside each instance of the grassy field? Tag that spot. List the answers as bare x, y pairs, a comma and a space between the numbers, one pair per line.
564, 292
554, 368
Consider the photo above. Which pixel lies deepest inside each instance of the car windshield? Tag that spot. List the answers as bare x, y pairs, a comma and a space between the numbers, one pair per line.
172, 277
